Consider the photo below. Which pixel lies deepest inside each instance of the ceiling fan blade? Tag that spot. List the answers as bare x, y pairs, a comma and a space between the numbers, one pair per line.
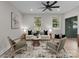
48, 2
50, 9
44, 9
43, 3
55, 6
53, 3
41, 7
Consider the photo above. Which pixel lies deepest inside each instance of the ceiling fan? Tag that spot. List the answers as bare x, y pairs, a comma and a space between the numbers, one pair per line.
49, 6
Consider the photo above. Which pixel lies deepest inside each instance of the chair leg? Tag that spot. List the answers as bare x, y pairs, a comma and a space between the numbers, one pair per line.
64, 50
12, 56
26, 47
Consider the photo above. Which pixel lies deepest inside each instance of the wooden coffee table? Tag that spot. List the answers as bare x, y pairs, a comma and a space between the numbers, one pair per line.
36, 41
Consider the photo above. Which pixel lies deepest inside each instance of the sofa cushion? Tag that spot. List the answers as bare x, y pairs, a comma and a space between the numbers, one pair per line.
20, 44
51, 45
45, 37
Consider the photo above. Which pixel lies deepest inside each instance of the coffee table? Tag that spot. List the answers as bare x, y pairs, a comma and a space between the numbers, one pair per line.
36, 41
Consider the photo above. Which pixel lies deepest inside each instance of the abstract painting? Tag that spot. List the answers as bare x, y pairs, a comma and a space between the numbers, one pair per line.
14, 21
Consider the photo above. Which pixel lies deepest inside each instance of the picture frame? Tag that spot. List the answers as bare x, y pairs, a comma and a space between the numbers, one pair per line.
37, 23
55, 22
14, 21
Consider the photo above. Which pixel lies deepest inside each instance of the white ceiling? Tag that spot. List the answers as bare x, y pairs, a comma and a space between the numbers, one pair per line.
25, 6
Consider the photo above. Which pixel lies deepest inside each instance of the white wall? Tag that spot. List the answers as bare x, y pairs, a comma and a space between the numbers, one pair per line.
5, 25
46, 19
63, 24
71, 13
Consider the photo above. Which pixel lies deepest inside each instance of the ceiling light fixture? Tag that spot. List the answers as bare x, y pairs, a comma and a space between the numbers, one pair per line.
31, 9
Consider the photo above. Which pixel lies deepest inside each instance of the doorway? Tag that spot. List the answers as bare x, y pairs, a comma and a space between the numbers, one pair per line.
71, 27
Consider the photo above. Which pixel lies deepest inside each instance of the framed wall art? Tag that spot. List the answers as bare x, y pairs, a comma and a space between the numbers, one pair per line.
55, 22
14, 21
37, 23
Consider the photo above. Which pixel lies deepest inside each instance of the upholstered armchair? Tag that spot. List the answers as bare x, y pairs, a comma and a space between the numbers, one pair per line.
17, 46
56, 47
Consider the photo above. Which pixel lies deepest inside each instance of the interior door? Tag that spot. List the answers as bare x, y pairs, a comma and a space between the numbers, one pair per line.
71, 27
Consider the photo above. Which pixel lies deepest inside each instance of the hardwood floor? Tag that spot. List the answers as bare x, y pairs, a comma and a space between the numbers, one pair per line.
71, 47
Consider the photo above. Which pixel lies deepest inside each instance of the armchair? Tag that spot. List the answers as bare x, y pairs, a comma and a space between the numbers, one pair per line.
56, 48
16, 47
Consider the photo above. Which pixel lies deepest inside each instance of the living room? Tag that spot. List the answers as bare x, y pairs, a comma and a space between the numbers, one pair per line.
30, 18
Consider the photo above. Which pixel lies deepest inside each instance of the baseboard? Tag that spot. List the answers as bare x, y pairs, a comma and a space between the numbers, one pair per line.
4, 52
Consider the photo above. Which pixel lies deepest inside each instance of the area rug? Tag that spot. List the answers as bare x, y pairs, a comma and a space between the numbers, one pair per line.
37, 52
